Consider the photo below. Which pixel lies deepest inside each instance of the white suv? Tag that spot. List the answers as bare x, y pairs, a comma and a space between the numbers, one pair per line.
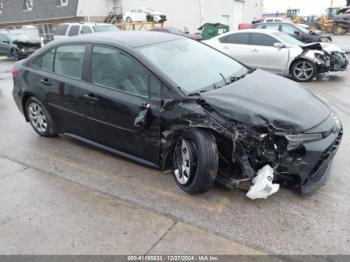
73, 29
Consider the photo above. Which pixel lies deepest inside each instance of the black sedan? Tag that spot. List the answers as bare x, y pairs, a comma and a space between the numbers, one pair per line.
297, 31
175, 104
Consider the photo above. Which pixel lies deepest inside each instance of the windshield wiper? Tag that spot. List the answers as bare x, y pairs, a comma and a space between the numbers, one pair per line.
235, 78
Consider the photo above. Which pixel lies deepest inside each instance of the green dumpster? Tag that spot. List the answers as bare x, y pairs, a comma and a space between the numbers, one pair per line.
210, 30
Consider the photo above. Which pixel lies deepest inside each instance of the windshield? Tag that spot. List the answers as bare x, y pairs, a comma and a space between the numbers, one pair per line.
22, 38
191, 65
105, 28
288, 39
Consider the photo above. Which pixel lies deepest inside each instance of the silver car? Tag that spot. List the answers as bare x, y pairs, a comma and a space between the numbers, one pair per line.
280, 53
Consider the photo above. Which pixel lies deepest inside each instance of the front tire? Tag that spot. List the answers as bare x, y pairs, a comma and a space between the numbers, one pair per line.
39, 118
195, 161
15, 54
303, 70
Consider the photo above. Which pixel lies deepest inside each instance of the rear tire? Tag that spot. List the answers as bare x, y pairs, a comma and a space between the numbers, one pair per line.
195, 161
303, 70
128, 20
40, 118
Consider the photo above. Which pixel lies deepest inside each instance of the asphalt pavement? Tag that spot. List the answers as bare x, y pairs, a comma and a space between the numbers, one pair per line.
77, 195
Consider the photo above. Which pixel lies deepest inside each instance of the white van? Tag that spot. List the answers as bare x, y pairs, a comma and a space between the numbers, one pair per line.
73, 29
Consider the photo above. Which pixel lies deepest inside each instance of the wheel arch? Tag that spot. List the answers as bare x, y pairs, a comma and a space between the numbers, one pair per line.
167, 159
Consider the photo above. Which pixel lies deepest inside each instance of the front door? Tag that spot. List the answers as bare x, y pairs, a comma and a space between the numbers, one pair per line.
266, 56
124, 111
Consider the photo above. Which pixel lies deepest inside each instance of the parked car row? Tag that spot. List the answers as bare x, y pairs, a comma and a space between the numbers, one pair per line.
280, 53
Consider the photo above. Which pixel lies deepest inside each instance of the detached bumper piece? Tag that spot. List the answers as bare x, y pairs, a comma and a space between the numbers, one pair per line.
263, 186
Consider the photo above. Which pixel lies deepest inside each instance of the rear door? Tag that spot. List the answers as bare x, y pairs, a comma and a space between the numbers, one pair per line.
266, 56
124, 110
237, 46
59, 74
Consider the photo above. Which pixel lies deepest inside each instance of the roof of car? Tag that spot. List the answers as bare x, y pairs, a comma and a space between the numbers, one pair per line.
86, 23
131, 39
266, 31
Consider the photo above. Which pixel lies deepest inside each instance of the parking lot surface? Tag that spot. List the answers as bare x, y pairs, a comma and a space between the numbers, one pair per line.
78, 181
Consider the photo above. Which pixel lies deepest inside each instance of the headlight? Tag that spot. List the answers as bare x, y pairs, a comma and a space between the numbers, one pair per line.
304, 137
319, 56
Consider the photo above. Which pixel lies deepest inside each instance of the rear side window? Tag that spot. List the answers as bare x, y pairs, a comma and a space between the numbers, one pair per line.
61, 30
69, 60
74, 30
263, 40
46, 61
269, 20
114, 69
239, 39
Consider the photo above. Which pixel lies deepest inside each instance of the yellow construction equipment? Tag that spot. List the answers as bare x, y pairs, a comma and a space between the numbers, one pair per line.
294, 15
326, 22
138, 26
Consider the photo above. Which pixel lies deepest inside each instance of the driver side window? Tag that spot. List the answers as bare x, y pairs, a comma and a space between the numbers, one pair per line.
290, 30
114, 69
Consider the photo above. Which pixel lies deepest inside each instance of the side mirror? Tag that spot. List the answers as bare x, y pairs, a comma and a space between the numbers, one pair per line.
297, 33
279, 45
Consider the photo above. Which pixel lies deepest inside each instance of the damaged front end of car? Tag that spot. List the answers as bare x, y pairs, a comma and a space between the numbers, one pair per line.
328, 57
262, 137
26, 48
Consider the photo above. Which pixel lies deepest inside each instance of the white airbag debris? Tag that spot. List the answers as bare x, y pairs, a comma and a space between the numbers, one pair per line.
263, 186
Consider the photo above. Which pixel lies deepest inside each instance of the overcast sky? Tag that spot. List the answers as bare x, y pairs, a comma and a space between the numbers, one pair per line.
307, 7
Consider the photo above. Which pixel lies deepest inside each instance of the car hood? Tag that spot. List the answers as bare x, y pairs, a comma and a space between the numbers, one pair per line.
31, 43
329, 48
265, 99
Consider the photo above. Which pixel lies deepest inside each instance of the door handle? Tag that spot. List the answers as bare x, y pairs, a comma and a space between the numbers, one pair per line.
225, 47
254, 50
91, 97
46, 82
145, 106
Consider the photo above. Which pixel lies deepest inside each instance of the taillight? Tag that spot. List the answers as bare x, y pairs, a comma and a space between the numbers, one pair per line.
14, 72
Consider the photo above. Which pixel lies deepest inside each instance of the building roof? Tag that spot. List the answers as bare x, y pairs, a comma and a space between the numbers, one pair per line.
129, 39
13, 11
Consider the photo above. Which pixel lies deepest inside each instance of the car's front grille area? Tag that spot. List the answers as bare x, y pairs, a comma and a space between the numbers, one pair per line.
320, 170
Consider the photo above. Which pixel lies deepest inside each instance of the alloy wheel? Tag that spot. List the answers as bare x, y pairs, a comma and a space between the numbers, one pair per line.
37, 117
184, 163
303, 71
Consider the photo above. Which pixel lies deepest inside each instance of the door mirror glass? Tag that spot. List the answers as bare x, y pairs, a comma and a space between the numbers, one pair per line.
279, 45
297, 33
